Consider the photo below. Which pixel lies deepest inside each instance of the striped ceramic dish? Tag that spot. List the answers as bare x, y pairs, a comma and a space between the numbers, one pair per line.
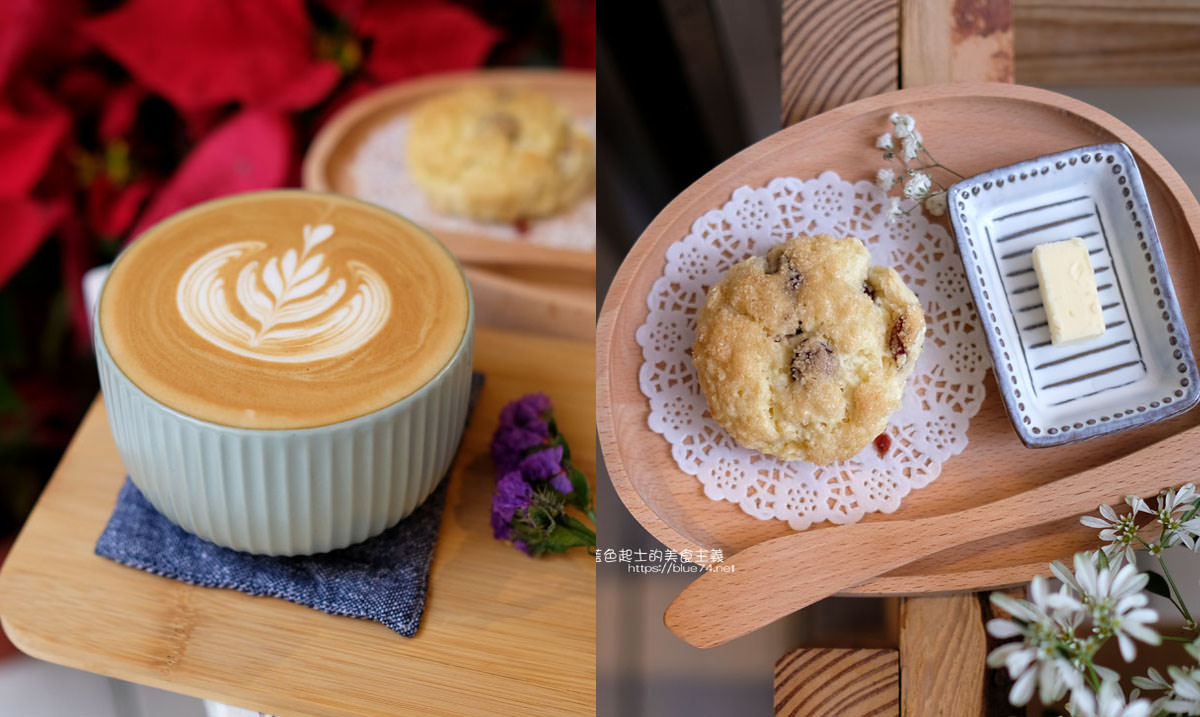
1141, 369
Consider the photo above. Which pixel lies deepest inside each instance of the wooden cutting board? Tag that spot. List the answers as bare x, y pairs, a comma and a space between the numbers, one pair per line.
971, 127
502, 633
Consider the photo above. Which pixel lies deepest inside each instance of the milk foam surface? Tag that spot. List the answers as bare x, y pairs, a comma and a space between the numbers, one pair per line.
283, 309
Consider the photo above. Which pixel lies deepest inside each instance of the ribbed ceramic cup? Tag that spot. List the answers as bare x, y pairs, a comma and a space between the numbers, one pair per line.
290, 492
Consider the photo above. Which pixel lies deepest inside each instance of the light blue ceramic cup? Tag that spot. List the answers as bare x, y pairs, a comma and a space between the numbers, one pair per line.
290, 492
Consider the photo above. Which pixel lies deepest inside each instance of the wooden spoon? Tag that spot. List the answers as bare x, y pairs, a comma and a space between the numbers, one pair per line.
779, 576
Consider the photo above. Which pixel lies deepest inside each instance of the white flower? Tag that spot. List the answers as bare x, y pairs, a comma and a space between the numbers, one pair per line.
935, 204
1175, 529
1043, 621
1185, 688
910, 146
904, 124
1108, 702
884, 142
895, 211
1152, 681
1120, 532
1172, 501
1117, 604
885, 179
917, 186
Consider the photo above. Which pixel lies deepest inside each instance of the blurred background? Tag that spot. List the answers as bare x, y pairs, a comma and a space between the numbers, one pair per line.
684, 84
116, 114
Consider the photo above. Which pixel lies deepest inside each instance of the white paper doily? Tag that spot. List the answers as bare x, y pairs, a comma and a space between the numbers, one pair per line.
945, 391
380, 175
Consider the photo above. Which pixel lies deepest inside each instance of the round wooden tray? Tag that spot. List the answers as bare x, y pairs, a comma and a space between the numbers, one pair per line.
328, 158
970, 127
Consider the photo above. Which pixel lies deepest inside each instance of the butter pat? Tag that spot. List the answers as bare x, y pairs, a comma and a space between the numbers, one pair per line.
1068, 288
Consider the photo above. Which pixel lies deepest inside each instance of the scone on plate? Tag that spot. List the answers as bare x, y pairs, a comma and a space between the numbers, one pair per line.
804, 353
498, 154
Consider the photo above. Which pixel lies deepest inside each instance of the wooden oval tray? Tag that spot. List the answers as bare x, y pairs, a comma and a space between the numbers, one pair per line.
970, 127
327, 161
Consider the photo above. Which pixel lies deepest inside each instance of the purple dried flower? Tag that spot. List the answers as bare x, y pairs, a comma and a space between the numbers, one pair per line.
523, 426
547, 466
526, 411
509, 444
512, 494
529, 506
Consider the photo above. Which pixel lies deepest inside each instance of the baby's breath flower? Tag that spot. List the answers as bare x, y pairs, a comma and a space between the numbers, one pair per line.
904, 124
884, 142
885, 178
935, 204
894, 209
910, 146
917, 186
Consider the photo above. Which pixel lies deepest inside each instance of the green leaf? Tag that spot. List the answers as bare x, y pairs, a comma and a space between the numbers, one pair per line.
580, 527
569, 534
1102, 559
1158, 584
580, 490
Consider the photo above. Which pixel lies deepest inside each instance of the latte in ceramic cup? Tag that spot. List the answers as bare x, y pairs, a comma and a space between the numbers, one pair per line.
285, 372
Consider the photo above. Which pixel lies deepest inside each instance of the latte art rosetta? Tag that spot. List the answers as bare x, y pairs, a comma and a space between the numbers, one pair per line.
296, 313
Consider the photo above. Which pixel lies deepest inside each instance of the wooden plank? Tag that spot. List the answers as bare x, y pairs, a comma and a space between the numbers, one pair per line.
848, 683
942, 651
494, 621
955, 41
836, 52
1107, 42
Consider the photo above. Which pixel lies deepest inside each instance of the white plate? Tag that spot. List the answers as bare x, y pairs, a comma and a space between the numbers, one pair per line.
1141, 369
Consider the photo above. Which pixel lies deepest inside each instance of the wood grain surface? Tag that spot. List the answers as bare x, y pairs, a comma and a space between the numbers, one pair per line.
810, 682
836, 52
1107, 42
767, 583
502, 633
327, 162
954, 41
560, 303
942, 651
970, 127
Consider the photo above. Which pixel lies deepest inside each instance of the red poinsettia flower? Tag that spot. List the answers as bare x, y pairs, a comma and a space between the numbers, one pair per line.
414, 38
35, 34
205, 53
577, 32
26, 145
251, 151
